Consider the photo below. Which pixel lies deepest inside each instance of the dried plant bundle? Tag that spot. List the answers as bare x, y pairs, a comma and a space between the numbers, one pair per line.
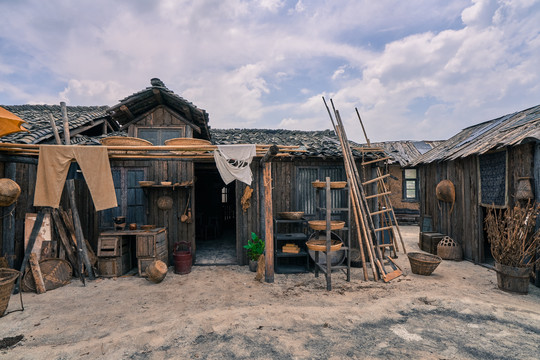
512, 236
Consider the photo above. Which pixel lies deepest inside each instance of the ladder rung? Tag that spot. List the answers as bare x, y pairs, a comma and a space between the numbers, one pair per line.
380, 212
369, 149
377, 195
376, 160
383, 228
376, 179
386, 245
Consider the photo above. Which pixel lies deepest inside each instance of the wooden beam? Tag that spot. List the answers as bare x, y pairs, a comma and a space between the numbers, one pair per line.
126, 111
87, 127
270, 153
183, 118
55, 130
67, 137
157, 95
8, 220
61, 230
36, 272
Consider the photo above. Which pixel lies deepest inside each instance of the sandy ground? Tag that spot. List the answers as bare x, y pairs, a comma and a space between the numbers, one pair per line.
223, 313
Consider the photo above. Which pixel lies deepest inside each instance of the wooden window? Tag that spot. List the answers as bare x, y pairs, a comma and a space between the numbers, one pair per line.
158, 135
305, 192
130, 197
410, 185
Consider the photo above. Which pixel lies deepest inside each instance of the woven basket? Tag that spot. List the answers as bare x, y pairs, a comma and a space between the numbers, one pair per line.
448, 249
146, 183
291, 215
333, 184
55, 272
9, 192
321, 224
186, 142
423, 264
7, 281
320, 245
125, 141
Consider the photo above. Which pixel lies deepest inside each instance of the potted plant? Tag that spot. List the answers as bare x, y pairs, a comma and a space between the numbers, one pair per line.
255, 248
514, 243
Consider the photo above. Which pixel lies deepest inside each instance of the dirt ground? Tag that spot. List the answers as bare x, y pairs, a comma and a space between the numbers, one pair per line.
223, 313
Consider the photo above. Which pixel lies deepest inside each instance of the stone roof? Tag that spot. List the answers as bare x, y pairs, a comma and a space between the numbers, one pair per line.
133, 107
316, 143
405, 152
37, 119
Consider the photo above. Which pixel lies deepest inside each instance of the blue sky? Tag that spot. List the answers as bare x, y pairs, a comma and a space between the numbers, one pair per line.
416, 70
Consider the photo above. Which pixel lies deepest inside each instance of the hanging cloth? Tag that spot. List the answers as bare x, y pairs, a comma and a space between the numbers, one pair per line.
53, 166
233, 162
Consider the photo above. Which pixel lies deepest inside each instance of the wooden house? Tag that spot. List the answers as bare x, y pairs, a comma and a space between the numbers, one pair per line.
157, 114
485, 163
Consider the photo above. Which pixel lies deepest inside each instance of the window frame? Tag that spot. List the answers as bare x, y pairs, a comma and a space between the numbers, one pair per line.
160, 129
405, 180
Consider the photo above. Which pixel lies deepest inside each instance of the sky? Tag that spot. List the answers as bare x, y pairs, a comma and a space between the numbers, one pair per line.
414, 70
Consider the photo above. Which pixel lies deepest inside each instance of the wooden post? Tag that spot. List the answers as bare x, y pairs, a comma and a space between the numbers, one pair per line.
8, 221
268, 213
70, 187
29, 247
55, 130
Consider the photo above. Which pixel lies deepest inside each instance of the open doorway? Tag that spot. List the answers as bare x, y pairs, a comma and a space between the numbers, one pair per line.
215, 217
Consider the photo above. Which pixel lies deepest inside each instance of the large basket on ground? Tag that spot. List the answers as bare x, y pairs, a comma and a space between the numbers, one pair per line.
423, 264
449, 249
7, 282
124, 141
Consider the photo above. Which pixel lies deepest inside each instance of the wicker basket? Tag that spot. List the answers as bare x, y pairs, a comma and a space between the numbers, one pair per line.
7, 281
448, 249
56, 273
146, 183
320, 245
186, 142
423, 264
333, 184
321, 224
148, 227
125, 141
9, 192
291, 215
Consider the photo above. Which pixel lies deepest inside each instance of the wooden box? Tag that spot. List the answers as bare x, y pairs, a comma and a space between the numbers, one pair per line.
151, 244
111, 246
114, 266
145, 261
429, 241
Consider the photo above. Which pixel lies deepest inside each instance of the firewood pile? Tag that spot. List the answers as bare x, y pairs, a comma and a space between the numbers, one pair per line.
512, 236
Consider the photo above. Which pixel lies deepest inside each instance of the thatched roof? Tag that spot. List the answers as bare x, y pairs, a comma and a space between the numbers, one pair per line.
509, 130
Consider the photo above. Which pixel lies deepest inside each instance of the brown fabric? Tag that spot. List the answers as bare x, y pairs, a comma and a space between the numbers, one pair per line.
53, 166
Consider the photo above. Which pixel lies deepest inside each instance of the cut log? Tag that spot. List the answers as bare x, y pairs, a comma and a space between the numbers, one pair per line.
36, 272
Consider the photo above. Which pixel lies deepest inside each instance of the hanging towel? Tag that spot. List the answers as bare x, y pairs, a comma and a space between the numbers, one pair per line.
53, 166
233, 162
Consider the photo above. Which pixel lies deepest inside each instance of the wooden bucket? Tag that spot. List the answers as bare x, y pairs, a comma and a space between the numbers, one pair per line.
9, 192
156, 271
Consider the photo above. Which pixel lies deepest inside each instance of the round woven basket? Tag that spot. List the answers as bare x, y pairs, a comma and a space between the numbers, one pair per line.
7, 281
320, 245
321, 224
449, 249
333, 184
55, 272
291, 215
423, 264
9, 192
146, 183
165, 203
124, 141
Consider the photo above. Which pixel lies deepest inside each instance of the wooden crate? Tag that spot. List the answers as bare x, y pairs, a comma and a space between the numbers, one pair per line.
151, 244
145, 261
430, 240
112, 246
114, 266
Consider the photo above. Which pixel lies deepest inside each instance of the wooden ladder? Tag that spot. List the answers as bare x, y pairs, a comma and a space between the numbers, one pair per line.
379, 204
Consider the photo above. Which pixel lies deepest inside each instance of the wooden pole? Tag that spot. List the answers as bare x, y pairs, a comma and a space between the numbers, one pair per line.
268, 213
36, 272
55, 130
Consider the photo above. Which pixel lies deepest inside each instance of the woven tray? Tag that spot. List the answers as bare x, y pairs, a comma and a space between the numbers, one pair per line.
291, 215
321, 224
333, 184
320, 245
146, 183
55, 272
186, 142
124, 141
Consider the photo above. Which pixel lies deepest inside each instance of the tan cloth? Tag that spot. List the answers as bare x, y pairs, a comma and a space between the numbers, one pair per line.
53, 166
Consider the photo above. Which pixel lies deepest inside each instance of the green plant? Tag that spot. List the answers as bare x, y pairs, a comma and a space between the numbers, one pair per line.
255, 247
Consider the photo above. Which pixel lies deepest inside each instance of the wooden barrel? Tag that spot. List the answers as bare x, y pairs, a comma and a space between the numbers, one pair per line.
156, 271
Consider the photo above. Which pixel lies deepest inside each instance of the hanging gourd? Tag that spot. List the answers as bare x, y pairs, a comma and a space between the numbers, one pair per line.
9, 192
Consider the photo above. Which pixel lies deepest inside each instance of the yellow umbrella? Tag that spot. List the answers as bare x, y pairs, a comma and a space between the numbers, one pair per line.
10, 123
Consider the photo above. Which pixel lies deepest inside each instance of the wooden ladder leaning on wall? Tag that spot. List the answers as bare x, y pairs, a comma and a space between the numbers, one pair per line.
379, 197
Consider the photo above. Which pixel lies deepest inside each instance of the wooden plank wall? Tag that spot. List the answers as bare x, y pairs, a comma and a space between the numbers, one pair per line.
465, 223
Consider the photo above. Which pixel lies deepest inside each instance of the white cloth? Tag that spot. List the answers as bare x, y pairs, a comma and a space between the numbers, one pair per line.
233, 162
